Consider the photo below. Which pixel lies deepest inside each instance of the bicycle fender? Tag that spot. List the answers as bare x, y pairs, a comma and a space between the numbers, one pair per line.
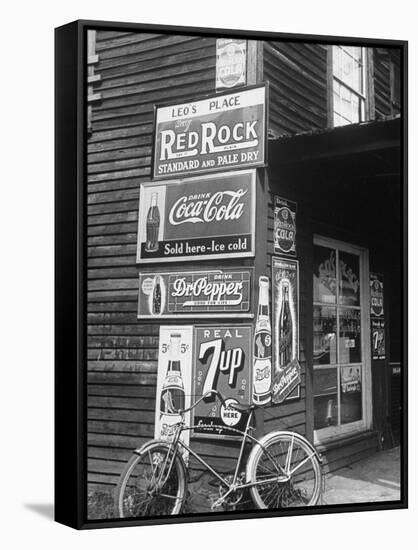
144, 447
265, 439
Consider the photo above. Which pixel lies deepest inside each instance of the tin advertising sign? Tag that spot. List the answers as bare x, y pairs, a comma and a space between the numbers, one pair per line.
213, 293
231, 62
376, 295
217, 133
200, 218
174, 379
285, 301
284, 226
223, 358
378, 339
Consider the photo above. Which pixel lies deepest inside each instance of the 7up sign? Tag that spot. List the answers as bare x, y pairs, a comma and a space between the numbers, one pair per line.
223, 359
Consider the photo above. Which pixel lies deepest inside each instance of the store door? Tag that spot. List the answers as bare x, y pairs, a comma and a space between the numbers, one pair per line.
341, 340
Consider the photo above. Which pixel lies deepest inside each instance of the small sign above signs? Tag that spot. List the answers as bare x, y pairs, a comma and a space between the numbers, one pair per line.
214, 293
217, 133
284, 226
231, 62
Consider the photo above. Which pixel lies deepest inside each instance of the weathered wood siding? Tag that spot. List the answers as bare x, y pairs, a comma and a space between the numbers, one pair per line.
298, 86
386, 73
137, 70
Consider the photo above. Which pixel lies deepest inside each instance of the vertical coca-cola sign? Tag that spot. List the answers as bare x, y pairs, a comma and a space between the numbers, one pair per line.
284, 226
285, 301
204, 217
377, 317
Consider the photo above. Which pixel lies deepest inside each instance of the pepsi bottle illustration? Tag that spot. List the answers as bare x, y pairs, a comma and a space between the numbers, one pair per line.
262, 347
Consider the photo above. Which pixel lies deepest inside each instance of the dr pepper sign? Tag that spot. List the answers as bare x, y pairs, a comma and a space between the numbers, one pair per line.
217, 133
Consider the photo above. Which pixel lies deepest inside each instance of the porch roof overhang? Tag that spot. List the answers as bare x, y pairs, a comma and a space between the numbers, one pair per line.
373, 147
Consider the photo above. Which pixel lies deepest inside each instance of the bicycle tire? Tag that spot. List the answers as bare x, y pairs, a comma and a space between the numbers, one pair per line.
139, 479
299, 480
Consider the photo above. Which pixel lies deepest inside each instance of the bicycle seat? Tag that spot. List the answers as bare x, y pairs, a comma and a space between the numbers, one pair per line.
242, 408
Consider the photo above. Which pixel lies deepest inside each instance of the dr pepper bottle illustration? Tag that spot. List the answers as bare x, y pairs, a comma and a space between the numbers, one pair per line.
262, 347
285, 327
172, 391
153, 225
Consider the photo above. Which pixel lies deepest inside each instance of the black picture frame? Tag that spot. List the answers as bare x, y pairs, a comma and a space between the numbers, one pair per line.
71, 272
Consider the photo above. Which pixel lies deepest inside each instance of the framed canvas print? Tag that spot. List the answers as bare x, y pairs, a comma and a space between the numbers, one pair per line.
230, 274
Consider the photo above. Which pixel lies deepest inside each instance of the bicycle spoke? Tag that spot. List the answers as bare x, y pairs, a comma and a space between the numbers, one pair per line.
301, 464
289, 456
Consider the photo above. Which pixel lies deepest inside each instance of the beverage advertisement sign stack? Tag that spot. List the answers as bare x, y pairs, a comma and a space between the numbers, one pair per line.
206, 151
377, 316
285, 300
223, 358
213, 293
203, 217
212, 134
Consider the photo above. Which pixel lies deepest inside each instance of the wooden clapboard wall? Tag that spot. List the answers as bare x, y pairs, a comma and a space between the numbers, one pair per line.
386, 71
297, 74
136, 70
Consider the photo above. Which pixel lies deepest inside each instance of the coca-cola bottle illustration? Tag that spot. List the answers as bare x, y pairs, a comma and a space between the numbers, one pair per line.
262, 347
153, 225
172, 391
285, 328
156, 296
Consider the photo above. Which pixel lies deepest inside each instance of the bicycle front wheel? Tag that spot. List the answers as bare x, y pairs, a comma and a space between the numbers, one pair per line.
153, 483
286, 472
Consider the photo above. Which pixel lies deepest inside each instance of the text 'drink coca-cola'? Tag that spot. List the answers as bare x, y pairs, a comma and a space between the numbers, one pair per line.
204, 217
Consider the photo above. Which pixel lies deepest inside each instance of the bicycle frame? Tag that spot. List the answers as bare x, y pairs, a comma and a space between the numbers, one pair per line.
234, 485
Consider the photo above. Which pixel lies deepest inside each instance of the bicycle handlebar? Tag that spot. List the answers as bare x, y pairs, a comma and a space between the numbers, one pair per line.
208, 394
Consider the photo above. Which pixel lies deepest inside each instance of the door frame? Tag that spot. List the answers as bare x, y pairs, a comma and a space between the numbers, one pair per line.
336, 432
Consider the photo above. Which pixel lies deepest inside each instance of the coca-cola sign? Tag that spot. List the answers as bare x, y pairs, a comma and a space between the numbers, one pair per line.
211, 134
231, 62
204, 217
223, 357
219, 293
285, 303
376, 295
284, 226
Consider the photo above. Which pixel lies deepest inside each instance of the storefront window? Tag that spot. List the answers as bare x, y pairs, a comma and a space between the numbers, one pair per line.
351, 394
325, 281
349, 279
326, 398
325, 335
337, 337
349, 336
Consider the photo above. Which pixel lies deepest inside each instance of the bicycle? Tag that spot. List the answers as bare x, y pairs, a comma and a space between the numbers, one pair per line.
283, 470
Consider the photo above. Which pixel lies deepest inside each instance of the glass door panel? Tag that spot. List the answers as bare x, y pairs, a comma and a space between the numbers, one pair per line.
337, 337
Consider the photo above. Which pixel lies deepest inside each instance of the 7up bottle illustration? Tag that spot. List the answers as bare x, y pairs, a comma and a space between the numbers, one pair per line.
262, 347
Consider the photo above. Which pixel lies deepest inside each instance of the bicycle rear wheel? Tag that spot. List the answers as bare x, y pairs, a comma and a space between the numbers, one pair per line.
286, 473
153, 483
